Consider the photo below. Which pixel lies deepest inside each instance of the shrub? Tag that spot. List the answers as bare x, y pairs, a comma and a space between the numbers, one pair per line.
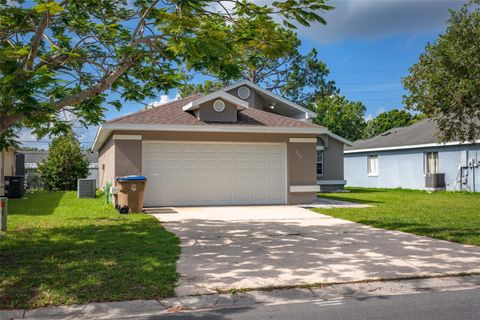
65, 164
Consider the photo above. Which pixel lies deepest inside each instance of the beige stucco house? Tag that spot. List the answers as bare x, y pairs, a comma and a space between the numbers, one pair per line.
236, 146
7, 164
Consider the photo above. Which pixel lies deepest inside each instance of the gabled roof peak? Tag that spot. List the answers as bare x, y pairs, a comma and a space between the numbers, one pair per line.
193, 105
310, 114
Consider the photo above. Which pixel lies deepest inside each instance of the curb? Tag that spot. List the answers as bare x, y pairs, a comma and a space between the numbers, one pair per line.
139, 308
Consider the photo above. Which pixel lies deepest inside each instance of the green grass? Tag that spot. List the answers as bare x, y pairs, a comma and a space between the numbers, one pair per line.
61, 250
443, 215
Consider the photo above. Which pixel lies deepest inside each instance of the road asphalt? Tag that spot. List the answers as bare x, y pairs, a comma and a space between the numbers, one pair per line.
446, 305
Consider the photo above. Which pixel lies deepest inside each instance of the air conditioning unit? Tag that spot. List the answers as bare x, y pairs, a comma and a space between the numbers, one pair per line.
86, 188
435, 180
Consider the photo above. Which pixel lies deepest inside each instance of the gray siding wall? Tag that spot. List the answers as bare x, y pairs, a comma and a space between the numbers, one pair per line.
332, 160
255, 100
207, 113
404, 168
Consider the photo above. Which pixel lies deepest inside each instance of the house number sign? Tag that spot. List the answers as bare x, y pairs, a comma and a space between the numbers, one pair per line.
299, 154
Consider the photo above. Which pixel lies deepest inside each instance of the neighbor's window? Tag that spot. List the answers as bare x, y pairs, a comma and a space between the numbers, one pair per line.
319, 162
373, 165
431, 162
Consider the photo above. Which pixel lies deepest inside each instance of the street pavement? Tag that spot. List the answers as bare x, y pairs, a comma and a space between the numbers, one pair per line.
448, 305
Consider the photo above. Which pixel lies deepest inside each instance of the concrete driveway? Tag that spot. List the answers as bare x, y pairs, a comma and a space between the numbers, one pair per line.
263, 246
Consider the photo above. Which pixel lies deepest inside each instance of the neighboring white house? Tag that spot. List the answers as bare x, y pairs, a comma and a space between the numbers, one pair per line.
410, 157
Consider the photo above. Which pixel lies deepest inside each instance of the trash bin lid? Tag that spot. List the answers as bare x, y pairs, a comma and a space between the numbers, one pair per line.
132, 178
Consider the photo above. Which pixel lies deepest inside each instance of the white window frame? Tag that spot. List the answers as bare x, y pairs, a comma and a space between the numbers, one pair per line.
372, 171
322, 149
426, 168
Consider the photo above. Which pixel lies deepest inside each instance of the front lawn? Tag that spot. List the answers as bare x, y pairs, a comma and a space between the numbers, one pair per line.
443, 215
62, 250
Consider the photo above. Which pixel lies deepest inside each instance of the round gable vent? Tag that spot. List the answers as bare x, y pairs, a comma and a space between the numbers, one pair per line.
243, 92
219, 105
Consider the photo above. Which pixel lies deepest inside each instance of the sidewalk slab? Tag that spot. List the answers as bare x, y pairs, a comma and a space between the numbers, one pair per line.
101, 310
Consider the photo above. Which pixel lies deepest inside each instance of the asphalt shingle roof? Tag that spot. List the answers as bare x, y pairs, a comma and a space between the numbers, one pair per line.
422, 132
172, 114
40, 156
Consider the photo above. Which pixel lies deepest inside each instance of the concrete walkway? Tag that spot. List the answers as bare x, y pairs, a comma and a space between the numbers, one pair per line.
324, 203
227, 248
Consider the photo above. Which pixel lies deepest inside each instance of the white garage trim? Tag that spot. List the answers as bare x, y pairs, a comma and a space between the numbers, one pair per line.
303, 140
312, 188
127, 137
331, 182
186, 165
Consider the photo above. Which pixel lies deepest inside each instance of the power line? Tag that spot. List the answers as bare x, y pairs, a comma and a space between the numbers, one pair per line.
367, 83
373, 91
379, 99
370, 71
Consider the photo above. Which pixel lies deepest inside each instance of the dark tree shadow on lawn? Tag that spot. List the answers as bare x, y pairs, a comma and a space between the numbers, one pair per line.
66, 265
367, 190
347, 199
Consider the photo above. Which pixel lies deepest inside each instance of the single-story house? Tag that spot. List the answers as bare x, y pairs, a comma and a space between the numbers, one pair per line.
411, 158
7, 167
34, 157
238, 145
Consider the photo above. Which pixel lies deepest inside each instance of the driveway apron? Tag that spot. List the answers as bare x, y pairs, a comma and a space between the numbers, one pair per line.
227, 248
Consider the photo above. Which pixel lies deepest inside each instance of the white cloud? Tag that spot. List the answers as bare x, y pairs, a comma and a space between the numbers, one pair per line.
380, 110
163, 99
375, 19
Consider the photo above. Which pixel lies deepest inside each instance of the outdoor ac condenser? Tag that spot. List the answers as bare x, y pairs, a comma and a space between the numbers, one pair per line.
86, 188
435, 180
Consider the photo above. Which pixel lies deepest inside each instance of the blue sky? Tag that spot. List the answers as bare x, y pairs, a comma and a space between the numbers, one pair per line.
368, 46
371, 71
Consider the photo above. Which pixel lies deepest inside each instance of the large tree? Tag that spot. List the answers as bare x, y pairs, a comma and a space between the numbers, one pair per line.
280, 67
445, 83
386, 121
70, 56
341, 116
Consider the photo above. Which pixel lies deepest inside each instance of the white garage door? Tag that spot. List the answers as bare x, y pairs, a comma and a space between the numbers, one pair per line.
197, 173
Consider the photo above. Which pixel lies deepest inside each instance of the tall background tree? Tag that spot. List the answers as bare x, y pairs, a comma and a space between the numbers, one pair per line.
386, 121
445, 83
72, 56
280, 67
342, 117
65, 163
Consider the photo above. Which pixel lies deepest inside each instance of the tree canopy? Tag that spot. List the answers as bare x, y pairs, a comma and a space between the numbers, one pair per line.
342, 117
65, 164
70, 56
282, 69
386, 121
445, 83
